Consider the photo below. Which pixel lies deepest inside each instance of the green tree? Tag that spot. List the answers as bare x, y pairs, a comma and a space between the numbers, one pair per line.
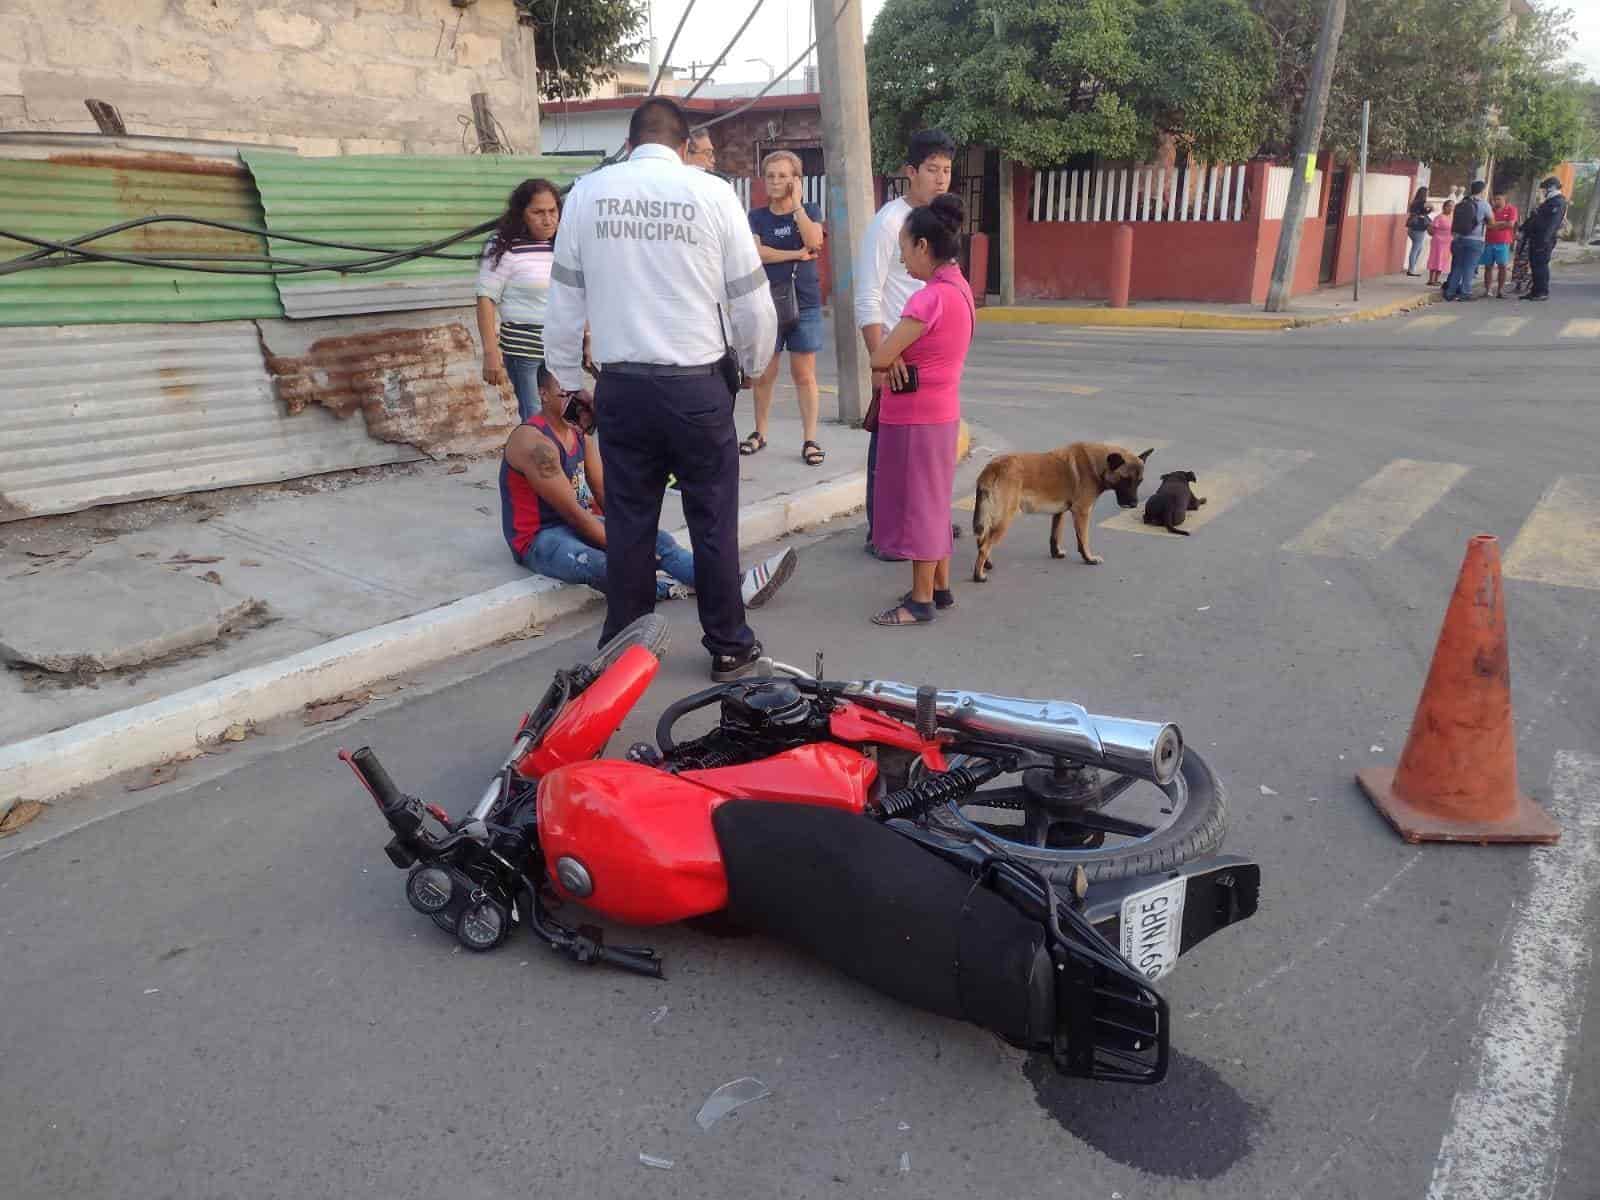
1434, 71
1543, 105
576, 41
1204, 72
1044, 80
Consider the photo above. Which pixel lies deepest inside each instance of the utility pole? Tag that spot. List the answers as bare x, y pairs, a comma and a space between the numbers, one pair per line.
1361, 192
1007, 248
1305, 156
847, 151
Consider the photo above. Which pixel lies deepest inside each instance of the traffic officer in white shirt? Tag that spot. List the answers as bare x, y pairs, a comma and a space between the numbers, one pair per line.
648, 252
882, 283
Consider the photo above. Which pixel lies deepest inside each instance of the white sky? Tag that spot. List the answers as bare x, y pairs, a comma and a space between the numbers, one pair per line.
781, 31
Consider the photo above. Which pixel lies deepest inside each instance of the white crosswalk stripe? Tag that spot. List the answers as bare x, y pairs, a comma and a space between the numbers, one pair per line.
1223, 486
1581, 327
1373, 517
1430, 321
1502, 327
1560, 542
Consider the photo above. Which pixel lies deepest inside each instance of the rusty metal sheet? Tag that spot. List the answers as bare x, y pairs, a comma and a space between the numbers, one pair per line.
99, 414
395, 202
415, 377
60, 192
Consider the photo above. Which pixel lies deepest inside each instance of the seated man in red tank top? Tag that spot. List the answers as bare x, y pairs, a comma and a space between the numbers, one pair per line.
552, 506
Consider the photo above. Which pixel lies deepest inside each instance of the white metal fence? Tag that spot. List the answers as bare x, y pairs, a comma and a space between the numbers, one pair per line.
1197, 192
813, 189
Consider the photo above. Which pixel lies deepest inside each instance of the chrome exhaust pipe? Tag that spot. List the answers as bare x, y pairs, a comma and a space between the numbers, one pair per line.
1152, 750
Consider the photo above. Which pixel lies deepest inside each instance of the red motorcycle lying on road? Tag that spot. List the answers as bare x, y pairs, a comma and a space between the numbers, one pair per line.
854, 820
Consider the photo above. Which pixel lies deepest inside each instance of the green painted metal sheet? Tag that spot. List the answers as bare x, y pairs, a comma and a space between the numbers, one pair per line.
394, 202
69, 195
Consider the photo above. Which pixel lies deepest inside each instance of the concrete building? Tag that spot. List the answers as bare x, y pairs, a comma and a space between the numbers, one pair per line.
323, 76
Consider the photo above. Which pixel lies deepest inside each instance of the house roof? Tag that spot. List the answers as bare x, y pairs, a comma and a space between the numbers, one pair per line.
697, 105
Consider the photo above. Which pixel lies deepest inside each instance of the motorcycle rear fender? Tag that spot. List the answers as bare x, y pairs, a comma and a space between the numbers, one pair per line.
1222, 890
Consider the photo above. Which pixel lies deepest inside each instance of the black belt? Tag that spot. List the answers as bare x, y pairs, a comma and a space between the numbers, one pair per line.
657, 370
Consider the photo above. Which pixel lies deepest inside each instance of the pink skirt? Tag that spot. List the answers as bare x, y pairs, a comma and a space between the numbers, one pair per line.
911, 496
1439, 252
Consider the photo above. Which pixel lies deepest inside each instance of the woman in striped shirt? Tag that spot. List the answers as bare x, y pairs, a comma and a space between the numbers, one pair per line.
514, 278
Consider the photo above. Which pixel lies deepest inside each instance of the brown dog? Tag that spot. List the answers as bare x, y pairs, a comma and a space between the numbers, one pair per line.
1069, 479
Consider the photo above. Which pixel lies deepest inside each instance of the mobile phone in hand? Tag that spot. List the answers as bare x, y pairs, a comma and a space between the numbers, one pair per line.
910, 385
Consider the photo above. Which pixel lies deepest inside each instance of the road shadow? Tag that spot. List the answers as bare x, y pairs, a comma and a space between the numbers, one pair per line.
1194, 1125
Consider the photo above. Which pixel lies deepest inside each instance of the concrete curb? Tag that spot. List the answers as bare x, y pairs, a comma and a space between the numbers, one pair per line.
1392, 309
1142, 318
1182, 318
46, 766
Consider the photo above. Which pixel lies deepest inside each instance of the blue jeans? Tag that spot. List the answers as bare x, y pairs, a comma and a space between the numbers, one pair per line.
562, 554
524, 374
1464, 256
1416, 236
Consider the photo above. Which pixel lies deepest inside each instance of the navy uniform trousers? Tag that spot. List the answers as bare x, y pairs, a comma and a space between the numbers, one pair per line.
651, 426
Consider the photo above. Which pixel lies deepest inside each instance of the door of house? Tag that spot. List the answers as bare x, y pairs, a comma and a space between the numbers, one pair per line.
1335, 225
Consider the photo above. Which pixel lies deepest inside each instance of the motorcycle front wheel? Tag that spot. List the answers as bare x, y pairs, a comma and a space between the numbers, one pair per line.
1113, 826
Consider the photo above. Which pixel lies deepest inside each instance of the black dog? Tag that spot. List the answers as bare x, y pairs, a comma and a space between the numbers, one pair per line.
1172, 501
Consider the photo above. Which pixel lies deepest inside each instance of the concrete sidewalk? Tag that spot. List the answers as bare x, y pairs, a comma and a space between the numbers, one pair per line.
170, 621
1381, 297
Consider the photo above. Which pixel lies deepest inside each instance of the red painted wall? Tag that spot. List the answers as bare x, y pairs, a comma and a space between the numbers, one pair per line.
1171, 261
1382, 250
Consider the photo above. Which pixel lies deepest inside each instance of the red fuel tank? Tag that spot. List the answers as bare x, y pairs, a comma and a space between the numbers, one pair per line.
644, 838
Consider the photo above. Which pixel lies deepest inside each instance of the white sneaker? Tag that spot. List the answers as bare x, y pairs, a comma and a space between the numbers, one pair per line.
762, 581
679, 591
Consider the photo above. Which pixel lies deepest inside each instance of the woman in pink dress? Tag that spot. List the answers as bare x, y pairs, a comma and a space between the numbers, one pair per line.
918, 430
1439, 245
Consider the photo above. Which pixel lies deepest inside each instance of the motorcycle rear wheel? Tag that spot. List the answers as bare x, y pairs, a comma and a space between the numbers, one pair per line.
1196, 829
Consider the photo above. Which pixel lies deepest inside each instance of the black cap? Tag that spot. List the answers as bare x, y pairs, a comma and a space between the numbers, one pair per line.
1551, 182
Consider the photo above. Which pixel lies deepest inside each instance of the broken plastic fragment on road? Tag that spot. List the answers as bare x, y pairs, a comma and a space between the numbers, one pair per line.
905, 1163
734, 1094
651, 1160
657, 1015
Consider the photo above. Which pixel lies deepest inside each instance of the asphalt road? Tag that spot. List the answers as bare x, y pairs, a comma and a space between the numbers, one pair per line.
216, 989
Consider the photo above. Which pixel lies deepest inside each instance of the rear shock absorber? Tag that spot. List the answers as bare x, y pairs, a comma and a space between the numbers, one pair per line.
937, 789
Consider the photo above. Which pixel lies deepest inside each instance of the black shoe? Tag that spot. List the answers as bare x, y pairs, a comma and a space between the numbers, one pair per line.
725, 667
880, 555
1544, 296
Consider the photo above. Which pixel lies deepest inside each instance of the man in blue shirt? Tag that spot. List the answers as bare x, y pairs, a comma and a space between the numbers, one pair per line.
789, 237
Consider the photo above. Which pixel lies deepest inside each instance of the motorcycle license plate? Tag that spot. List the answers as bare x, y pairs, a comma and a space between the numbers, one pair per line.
1152, 927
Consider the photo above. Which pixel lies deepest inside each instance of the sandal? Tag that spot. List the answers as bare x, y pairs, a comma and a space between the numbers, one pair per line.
812, 454
942, 598
754, 444
908, 612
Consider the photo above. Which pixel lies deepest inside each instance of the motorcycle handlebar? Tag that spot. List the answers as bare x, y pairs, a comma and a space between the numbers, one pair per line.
371, 770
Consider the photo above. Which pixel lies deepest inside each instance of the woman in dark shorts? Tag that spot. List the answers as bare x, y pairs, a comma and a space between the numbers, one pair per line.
917, 430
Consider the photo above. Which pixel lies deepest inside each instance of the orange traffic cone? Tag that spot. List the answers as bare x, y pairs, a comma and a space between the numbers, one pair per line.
1457, 779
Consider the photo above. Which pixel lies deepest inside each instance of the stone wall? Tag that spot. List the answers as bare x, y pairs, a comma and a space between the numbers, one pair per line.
326, 76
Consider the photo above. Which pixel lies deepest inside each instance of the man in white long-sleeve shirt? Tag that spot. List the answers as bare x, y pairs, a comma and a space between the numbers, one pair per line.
882, 283
648, 251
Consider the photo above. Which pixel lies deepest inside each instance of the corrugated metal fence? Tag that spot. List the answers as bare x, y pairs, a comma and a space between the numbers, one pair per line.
104, 400
72, 193
393, 203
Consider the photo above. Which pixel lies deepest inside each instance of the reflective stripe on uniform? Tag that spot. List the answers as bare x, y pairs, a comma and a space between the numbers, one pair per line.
743, 287
566, 275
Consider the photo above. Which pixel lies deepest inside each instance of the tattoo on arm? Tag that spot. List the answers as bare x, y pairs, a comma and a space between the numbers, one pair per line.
546, 461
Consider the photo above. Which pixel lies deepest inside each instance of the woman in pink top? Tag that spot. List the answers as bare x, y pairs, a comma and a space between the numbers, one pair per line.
1439, 245
918, 430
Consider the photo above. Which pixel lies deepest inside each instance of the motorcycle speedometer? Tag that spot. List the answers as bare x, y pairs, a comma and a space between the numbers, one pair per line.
429, 888
482, 925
